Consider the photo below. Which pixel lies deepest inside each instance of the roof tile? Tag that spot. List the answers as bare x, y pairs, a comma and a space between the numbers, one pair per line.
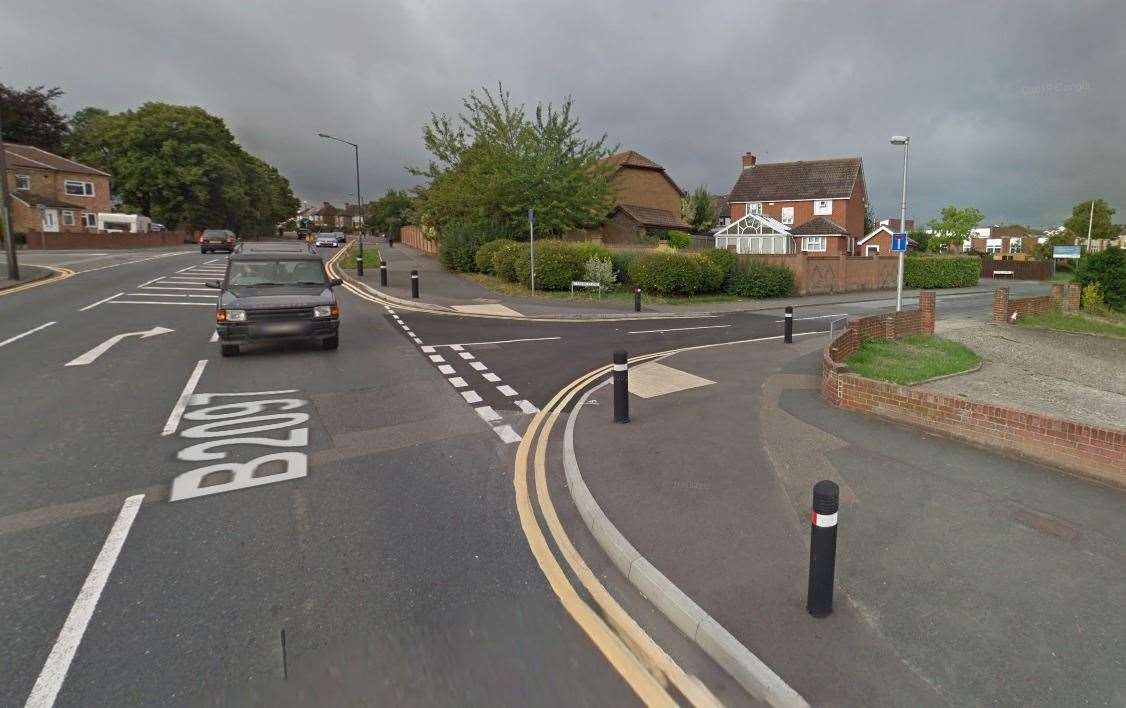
812, 179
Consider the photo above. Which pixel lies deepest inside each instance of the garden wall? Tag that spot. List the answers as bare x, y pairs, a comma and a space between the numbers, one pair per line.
38, 240
1063, 297
815, 275
1023, 270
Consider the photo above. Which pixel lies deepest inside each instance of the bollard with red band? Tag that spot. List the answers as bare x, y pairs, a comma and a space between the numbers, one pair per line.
822, 548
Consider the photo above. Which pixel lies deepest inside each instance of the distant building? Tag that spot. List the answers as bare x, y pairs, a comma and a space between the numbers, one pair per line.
53, 194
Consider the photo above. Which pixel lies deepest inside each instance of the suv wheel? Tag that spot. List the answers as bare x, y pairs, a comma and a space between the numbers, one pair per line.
229, 349
331, 342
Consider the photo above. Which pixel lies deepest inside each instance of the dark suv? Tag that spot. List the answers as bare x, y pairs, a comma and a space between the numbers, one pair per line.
217, 240
275, 296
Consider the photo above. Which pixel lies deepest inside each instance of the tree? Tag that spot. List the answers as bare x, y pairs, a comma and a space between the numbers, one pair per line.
698, 209
30, 117
955, 226
181, 166
870, 220
392, 211
1101, 224
494, 162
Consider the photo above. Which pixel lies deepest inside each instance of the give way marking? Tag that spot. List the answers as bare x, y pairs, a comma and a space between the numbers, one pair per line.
92, 355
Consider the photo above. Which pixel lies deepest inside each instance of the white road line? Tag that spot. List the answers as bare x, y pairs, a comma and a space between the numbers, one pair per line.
428, 350
437, 358
471, 396
677, 329
487, 413
499, 341
416, 340
455, 347
446, 369
99, 302
9, 340
507, 434
507, 390
818, 317
176, 287
166, 295
140, 302
213, 260
457, 382
491, 377
150, 282
214, 337
478, 366
54, 671
527, 407
466, 355
182, 401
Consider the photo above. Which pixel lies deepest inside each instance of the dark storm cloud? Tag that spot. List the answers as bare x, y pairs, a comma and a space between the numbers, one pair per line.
1016, 108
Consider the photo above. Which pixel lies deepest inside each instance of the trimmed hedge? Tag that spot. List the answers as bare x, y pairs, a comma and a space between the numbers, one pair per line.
557, 263
668, 273
761, 280
485, 252
941, 271
726, 261
459, 246
622, 261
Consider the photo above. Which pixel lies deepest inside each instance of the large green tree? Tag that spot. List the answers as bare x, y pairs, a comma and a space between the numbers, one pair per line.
30, 117
392, 211
181, 166
698, 209
494, 162
954, 226
1101, 224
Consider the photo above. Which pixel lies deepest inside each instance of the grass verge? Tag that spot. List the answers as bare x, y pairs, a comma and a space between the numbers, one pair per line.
1112, 325
911, 359
623, 293
372, 258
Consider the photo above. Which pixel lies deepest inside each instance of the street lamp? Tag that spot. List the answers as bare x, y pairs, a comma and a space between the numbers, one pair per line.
359, 199
906, 143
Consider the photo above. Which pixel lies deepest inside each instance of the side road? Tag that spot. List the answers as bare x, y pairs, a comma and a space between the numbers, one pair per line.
964, 577
448, 290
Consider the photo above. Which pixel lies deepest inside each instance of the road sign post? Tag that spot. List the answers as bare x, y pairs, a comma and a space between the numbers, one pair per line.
532, 244
899, 245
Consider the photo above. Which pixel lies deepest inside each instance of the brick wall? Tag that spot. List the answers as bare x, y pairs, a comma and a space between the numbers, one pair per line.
1089, 451
1063, 297
37, 240
815, 275
412, 236
645, 187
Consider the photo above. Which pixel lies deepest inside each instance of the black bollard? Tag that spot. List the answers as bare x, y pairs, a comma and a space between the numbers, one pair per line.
621, 387
383, 274
789, 327
414, 283
822, 548
637, 300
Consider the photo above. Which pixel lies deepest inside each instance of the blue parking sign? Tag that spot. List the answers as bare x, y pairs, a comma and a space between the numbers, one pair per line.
898, 243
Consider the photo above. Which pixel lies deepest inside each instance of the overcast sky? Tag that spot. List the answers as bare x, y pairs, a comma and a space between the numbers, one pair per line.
1017, 108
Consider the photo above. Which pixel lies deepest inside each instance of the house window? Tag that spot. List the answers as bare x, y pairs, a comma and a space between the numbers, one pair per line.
23, 182
1015, 245
872, 250
68, 217
89, 219
992, 245
754, 207
822, 207
817, 244
78, 189
787, 215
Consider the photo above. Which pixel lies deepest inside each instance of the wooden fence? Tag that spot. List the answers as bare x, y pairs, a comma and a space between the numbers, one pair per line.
1022, 270
412, 236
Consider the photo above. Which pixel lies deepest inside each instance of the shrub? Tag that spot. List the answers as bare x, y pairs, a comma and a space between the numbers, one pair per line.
726, 260
679, 239
600, 270
557, 264
485, 252
761, 280
1093, 298
1108, 269
941, 271
622, 261
675, 273
459, 244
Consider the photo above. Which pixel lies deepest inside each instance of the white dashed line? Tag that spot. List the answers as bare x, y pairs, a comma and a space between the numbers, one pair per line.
446, 369
507, 434
507, 390
417, 340
478, 366
527, 407
428, 350
456, 347
457, 382
677, 329
99, 302
9, 340
487, 414
491, 377
471, 396
499, 341
437, 358
466, 355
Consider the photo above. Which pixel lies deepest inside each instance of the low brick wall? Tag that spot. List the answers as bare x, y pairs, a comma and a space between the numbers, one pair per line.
1063, 297
1085, 450
412, 236
38, 240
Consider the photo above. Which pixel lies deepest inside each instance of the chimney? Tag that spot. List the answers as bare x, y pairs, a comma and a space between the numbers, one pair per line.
749, 160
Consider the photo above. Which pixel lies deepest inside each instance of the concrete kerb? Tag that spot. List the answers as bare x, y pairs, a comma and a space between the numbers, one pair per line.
746, 668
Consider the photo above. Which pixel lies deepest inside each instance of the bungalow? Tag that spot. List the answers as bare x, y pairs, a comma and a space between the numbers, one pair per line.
878, 241
1000, 240
51, 193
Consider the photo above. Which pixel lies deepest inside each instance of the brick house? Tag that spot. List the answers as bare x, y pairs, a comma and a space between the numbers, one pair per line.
878, 241
996, 240
51, 193
795, 193
326, 215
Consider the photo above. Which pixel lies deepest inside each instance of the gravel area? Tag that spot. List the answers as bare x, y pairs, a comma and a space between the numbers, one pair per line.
1074, 376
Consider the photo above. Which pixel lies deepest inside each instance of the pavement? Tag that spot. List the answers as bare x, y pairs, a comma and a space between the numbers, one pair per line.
28, 273
963, 577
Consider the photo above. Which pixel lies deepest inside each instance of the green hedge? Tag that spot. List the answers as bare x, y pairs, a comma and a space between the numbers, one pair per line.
668, 273
941, 271
622, 261
726, 261
761, 280
679, 239
1108, 269
506, 258
485, 252
459, 244
557, 263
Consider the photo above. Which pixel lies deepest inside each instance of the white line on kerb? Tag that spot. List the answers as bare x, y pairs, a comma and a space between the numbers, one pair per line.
182, 401
30, 331
99, 302
54, 671
677, 329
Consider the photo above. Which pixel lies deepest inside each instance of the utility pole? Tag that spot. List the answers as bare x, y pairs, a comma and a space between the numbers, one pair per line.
532, 244
906, 143
6, 214
1090, 220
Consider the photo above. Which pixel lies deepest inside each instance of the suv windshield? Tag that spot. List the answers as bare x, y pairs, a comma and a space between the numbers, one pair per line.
280, 272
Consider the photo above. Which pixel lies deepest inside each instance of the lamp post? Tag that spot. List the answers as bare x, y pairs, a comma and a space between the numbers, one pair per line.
359, 199
906, 143
6, 216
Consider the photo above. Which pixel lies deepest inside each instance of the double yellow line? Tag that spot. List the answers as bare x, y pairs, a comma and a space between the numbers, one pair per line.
646, 667
60, 274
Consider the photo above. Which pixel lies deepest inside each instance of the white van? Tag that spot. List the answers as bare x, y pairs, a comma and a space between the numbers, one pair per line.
124, 223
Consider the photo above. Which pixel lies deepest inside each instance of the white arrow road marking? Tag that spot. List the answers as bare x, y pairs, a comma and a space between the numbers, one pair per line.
9, 340
92, 355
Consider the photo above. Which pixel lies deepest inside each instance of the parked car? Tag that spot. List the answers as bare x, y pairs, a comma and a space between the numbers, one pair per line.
157, 227
274, 247
341, 238
328, 239
217, 240
274, 295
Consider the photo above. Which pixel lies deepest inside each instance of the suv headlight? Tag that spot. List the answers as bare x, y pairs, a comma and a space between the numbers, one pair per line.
236, 315
326, 311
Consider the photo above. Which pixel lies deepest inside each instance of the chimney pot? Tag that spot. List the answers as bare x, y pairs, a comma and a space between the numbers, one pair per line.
749, 160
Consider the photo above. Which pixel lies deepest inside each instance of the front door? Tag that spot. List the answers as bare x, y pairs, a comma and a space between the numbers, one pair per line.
50, 219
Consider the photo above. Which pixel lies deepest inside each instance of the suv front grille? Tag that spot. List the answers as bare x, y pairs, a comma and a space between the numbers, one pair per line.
280, 313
